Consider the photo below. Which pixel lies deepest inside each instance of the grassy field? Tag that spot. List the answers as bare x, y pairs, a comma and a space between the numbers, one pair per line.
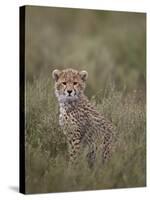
111, 47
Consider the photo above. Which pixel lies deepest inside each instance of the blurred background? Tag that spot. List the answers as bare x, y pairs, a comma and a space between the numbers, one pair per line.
111, 46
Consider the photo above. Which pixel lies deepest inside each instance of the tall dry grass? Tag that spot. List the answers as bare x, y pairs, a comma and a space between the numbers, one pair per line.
111, 47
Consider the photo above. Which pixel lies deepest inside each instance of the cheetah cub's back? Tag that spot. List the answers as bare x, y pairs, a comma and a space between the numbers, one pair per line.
83, 126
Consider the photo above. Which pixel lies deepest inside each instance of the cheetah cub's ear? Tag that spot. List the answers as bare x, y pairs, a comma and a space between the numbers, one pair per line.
55, 74
84, 75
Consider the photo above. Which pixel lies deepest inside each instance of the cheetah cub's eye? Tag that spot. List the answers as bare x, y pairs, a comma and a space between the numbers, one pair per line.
64, 83
75, 83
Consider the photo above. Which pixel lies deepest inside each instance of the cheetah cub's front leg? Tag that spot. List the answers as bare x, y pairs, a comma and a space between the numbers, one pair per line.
74, 147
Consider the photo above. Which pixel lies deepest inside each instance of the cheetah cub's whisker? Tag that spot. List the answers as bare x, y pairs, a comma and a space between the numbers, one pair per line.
83, 125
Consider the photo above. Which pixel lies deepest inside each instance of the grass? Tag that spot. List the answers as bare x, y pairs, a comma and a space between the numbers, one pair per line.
46, 149
112, 49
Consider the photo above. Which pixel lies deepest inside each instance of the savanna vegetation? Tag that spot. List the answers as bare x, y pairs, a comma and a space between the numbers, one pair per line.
111, 46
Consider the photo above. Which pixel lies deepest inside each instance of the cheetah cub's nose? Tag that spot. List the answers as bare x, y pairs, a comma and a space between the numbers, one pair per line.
69, 92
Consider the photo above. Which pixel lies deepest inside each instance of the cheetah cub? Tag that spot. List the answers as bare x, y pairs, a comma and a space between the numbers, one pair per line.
83, 125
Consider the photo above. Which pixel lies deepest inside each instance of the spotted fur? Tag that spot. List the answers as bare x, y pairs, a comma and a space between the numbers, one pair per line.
82, 124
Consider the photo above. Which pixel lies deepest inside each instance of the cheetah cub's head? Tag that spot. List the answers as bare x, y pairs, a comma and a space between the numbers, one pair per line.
69, 84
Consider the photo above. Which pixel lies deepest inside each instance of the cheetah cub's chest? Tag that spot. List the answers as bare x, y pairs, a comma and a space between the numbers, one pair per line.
66, 120
62, 116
